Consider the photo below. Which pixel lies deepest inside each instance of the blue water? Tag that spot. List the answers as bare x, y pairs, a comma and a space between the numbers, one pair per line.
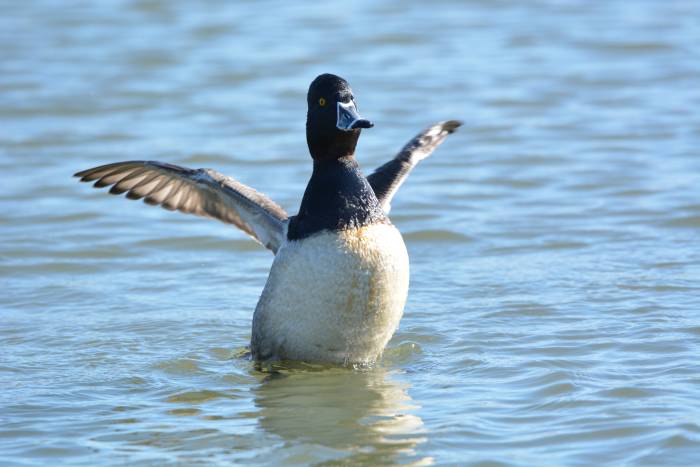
555, 282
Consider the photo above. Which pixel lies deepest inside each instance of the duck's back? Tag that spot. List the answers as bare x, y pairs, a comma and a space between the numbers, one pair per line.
336, 296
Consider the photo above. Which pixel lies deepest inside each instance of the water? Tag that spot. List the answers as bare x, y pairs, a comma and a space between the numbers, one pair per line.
553, 311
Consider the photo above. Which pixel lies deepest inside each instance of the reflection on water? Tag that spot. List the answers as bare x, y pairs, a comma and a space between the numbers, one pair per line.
367, 415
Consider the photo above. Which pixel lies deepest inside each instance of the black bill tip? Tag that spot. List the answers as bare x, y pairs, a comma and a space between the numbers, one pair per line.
361, 123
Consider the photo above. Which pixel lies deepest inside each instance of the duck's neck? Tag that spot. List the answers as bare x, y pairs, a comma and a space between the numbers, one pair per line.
338, 197
328, 144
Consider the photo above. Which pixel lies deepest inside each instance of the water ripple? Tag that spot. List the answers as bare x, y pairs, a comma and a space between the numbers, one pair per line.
553, 239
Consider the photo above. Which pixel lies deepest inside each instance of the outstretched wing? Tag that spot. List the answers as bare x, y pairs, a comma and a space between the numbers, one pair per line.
389, 177
203, 192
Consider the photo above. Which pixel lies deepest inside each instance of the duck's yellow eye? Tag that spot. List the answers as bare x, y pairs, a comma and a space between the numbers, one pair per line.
322, 102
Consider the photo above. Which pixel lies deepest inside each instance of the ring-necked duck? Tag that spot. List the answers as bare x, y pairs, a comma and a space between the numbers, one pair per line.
339, 280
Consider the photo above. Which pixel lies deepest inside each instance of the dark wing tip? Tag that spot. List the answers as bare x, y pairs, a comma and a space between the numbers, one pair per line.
451, 125
82, 174
94, 173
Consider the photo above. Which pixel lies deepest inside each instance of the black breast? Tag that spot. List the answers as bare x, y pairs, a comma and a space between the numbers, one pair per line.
338, 197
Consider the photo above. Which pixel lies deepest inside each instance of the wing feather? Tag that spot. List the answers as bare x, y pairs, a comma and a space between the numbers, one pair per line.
203, 192
387, 179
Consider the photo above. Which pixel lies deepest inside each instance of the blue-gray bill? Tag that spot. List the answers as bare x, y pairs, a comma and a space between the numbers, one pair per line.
349, 118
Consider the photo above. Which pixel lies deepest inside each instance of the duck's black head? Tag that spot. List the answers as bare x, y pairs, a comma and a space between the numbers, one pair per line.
333, 124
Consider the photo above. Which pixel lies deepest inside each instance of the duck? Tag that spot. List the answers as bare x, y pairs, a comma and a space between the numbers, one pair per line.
339, 280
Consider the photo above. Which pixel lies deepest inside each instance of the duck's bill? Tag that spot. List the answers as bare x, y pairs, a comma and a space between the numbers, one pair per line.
349, 119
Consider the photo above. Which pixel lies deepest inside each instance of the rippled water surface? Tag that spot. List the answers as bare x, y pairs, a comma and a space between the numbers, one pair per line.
555, 282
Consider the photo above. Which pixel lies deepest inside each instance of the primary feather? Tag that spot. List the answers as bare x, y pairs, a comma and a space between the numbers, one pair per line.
387, 179
204, 192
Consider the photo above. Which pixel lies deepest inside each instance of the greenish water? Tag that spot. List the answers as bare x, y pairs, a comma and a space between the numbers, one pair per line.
553, 317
